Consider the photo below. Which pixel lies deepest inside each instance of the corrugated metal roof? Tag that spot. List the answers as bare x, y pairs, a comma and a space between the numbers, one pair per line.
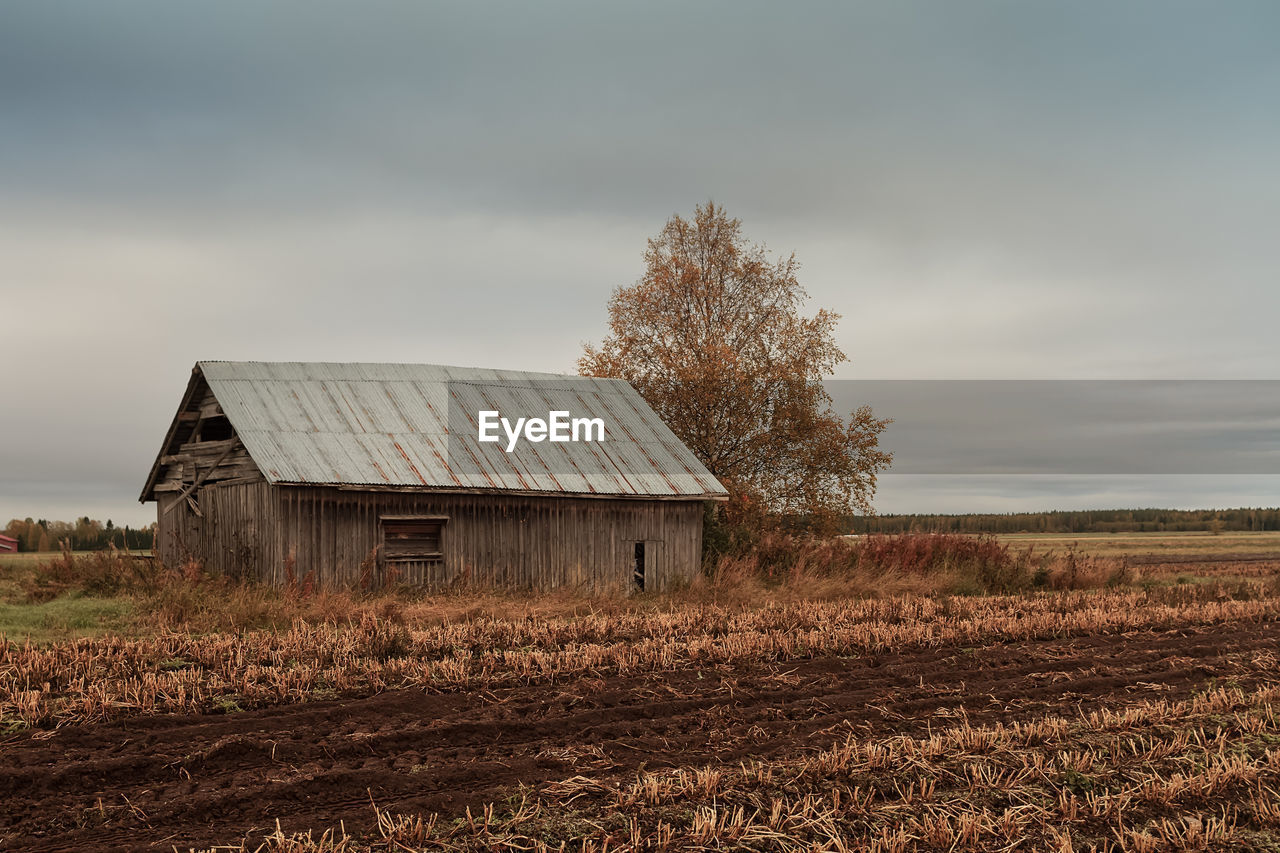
388, 425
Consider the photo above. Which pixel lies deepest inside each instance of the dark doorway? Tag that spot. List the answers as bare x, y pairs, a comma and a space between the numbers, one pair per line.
637, 575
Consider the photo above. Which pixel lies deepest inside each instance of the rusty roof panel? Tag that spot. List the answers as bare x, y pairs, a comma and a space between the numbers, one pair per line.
388, 425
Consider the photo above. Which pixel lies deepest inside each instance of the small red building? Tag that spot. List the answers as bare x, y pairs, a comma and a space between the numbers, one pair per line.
8, 545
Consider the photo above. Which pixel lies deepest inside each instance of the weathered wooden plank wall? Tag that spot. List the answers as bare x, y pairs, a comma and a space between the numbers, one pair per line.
234, 533
252, 529
502, 540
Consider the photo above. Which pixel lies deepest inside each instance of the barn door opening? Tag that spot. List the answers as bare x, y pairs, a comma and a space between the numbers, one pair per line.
637, 574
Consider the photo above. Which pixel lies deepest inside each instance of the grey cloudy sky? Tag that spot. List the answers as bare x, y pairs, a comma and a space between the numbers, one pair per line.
983, 190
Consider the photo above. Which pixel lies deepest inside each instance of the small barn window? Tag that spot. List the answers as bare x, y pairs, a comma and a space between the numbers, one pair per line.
416, 538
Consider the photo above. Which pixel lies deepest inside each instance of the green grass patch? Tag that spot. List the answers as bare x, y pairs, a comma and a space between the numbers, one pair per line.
65, 618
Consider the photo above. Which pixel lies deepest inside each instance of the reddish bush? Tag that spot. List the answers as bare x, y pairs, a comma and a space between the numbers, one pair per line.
945, 562
926, 552
984, 561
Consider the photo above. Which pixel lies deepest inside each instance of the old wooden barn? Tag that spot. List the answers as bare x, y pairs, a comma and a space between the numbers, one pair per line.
372, 473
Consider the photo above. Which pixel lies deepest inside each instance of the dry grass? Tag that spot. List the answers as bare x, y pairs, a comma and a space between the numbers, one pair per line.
100, 678
1169, 543
185, 598
778, 568
919, 564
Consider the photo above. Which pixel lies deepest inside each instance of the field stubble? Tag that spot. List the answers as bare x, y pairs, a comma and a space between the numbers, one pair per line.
1117, 719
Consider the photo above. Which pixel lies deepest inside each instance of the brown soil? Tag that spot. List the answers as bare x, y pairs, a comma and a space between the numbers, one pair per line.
182, 781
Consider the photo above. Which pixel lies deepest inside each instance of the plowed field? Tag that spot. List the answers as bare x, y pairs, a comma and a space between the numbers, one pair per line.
165, 781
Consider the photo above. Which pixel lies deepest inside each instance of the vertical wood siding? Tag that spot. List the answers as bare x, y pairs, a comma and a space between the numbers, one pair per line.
234, 534
499, 540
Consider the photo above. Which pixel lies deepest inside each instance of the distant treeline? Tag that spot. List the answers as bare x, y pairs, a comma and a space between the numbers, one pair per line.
83, 534
1084, 521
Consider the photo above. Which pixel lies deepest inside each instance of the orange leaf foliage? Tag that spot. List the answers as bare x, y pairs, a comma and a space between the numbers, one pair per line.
713, 337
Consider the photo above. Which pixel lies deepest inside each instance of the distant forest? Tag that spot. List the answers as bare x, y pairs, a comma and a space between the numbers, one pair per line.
83, 534
1084, 521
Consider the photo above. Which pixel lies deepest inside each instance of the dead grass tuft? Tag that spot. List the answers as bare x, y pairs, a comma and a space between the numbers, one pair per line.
911, 563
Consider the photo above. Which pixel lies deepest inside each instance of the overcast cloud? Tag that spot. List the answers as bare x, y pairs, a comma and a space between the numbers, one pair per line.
983, 190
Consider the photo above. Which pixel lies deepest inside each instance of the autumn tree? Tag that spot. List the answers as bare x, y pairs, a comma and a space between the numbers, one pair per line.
714, 338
